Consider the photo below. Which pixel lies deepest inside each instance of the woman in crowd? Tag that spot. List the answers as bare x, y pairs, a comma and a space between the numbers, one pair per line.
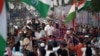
28, 49
56, 30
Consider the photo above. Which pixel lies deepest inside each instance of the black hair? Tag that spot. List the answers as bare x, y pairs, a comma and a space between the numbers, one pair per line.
27, 37
38, 27
33, 18
55, 44
49, 20
88, 50
71, 29
81, 40
64, 44
64, 53
57, 25
59, 51
52, 54
42, 51
50, 47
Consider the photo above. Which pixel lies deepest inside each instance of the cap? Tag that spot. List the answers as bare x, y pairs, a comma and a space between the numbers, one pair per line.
42, 44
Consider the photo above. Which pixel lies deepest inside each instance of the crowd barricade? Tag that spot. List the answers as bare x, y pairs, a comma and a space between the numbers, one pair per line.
57, 39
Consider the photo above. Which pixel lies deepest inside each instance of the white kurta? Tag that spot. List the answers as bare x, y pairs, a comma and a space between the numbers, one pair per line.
49, 29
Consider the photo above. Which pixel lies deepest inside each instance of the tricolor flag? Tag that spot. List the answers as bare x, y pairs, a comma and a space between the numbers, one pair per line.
72, 13
3, 26
83, 4
42, 6
87, 4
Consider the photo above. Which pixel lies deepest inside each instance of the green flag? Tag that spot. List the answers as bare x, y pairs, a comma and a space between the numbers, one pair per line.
42, 6
7, 5
87, 4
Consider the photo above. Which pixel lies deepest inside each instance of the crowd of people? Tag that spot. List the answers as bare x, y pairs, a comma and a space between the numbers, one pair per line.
36, 38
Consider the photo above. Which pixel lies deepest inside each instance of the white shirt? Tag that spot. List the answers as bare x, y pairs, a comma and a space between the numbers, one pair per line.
38, 34
83, 50
48, 52
55, 50
17, 54
49, 30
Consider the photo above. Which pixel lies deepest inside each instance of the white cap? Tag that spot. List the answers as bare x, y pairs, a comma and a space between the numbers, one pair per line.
42, 44
86, 36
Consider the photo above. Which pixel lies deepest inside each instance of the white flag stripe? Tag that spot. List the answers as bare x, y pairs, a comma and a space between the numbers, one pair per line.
48, 2
72, 9
3, 23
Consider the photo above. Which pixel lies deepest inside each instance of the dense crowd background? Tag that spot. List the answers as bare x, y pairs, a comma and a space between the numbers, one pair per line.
35, 38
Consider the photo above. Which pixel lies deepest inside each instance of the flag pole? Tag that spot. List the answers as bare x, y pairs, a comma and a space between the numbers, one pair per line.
74, 21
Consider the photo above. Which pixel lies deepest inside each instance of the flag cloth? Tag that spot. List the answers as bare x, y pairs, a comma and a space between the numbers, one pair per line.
42, 6
3, 27
71, 14
7, 6
87, 4
83, 4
